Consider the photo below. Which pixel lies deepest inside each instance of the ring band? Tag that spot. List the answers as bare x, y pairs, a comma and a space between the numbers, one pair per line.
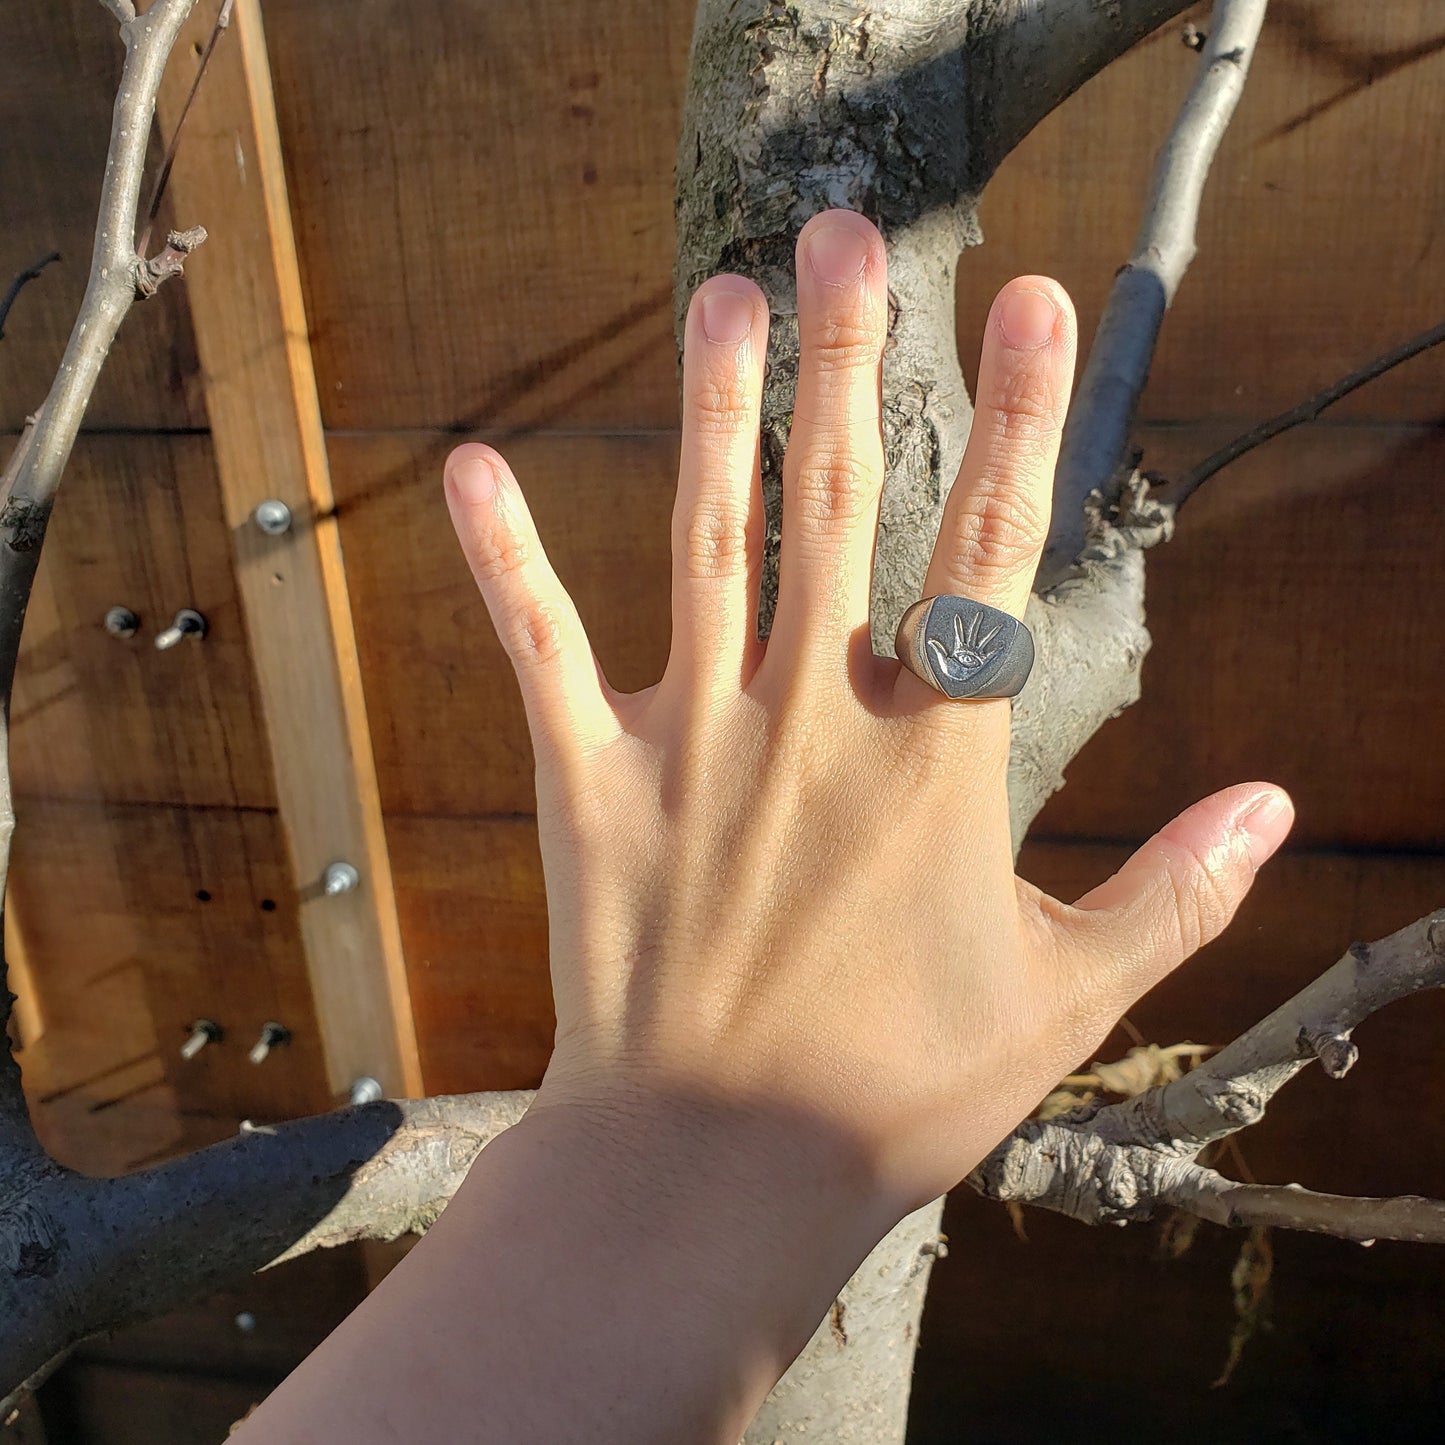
965, 650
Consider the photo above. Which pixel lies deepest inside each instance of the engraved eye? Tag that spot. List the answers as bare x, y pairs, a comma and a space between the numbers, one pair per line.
969, 652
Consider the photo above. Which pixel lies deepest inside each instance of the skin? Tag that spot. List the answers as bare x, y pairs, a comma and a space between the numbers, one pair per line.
799, 989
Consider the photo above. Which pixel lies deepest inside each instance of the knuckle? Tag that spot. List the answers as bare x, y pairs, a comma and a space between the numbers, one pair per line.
1203, 884
714, 542
721, 406
533, 632
1025, 405
845, 343
998, 533
834, 488
499, 552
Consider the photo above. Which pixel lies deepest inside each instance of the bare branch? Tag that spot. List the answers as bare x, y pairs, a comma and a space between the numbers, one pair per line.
33, 472
1175, 494
1123, 1162
1097, 433
1287, 1206
163, 176
21, 280
123, 10
169, 261
1231, 1089
1037, 53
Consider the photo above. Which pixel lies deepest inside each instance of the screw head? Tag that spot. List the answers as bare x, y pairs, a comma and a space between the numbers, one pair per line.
273, 517
365, 1090
121, 622
340, 878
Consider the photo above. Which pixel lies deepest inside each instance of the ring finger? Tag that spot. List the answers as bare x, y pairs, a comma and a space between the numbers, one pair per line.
996, 518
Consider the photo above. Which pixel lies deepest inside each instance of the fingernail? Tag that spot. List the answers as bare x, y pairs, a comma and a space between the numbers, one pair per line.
727, 317
473, 477
836, 254
1264, 826
1027, 319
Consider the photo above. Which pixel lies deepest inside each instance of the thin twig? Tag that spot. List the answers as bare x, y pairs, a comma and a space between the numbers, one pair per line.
1177, 493
123, 10
19, 283
223, 19
1096, 435
1407, 1217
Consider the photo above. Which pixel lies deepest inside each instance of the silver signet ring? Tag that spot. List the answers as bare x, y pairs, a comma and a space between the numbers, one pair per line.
965, 650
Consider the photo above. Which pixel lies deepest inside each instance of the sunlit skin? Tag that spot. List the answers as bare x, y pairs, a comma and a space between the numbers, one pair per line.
799, 989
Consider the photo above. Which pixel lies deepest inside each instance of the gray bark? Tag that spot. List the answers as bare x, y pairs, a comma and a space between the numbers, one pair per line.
1122, 1162
1096, 439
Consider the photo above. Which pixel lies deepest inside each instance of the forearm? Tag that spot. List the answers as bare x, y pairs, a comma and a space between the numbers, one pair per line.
630, 1277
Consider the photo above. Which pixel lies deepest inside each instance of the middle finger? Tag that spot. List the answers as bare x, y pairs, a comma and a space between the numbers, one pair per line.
833, 471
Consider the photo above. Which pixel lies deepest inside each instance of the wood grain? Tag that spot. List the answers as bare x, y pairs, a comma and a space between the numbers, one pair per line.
139, 524
261, 399
474, 916
148, 918
484, 207
1297, 637
448, 726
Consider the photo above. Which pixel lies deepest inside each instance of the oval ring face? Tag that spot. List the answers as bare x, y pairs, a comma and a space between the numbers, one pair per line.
967, 651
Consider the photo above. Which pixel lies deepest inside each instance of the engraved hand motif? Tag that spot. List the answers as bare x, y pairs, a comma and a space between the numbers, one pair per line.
970, 651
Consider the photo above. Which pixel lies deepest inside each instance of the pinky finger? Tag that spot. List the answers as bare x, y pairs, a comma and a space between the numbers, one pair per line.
562, 686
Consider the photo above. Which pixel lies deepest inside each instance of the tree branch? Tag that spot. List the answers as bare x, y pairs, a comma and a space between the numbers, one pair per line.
1097, 433
79, 1256
33, 473
1039, 52
1122, 1162
1287, 1206
22, 279
1175, 494
123, 10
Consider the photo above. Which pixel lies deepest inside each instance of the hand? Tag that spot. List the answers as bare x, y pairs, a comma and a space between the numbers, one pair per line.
780, 881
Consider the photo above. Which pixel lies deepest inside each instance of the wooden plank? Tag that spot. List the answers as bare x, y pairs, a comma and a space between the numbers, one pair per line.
484, 207
261, 399
140, 524
474, 917
59, 67
1297, 637
187, 913
449, 729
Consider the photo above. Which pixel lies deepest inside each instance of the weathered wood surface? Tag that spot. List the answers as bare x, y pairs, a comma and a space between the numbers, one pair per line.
261, 400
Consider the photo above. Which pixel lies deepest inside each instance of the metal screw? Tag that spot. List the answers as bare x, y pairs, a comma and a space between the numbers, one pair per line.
246, 1322
340, 878
272, 1035
121, 622
203, 1032
273, 517
365, 1090
188, 623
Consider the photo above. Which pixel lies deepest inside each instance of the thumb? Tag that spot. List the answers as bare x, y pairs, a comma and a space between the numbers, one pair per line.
1180, 890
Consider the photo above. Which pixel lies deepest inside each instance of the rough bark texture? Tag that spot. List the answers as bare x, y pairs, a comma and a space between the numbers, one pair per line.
1122, 1162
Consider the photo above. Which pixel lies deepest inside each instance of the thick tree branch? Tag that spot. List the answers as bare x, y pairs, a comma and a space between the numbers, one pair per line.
1096, 437
79, 1256
1175, 494
1124, 1161
1041, 52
